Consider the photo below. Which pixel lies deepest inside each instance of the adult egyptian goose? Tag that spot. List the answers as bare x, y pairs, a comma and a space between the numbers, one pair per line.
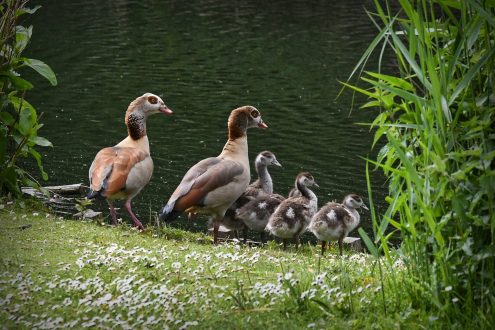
262, 186
292, 216
213, 184
120, 172
334, 221
255, 213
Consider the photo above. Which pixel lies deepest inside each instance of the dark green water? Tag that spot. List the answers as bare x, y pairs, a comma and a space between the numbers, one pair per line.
206, 58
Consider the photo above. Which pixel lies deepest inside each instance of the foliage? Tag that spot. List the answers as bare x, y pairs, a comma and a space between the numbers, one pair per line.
19, 120
437, 121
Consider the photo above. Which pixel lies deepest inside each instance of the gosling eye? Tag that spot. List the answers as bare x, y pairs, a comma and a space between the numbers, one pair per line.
255, 113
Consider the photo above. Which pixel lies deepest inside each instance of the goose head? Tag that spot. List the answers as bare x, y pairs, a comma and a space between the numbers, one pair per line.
305, 179
241, 119
139, 110
354, 201
266, 158
149, 104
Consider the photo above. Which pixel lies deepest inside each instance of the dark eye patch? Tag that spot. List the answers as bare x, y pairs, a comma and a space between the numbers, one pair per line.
152, 100
266, 154
255, 113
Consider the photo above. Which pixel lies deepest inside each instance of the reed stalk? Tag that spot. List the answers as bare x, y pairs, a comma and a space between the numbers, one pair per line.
436, 123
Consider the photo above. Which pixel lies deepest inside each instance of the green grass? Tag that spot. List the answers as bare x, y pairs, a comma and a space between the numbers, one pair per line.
68, 273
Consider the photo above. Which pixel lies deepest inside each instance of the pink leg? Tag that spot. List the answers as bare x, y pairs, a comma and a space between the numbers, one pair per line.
137, 223
113, 213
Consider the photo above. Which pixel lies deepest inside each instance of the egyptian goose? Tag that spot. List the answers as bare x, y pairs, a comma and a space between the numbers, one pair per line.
255, 213
292, 216
334, 221
262, 186
120, 172
214, 183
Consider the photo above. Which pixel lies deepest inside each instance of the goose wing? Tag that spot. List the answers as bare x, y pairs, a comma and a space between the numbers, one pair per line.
110, 168
202, 179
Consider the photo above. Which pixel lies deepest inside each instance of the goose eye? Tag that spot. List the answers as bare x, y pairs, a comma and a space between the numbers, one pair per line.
255, 113
152, 100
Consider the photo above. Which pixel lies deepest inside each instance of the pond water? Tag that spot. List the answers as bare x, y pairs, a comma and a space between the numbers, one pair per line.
206, 58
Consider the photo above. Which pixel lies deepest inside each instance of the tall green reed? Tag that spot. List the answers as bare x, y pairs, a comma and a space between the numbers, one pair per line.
437, 121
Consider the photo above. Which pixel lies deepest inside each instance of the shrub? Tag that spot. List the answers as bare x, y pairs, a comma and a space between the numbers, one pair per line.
19, 120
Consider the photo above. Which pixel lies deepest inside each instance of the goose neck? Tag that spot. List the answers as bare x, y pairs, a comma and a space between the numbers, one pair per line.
136, 124
264, 178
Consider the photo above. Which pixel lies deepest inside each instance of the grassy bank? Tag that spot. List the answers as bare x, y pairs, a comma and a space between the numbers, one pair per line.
65, 273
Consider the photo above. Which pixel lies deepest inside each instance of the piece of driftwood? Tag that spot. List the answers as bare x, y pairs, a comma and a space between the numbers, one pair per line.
88, 214
60, 199
70, 189
227, 235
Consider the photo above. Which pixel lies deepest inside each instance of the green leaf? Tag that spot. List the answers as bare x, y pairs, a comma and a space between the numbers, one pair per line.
41, 141
37, 156
43, 69
394, 81
360, 90
25, 10
394, 223
396, 91
19, 83
25, 121
372, 104
17, 102
22, 37
367, 241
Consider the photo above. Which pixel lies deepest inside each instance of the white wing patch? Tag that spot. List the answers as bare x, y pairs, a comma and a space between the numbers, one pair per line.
290, 213
332, 215
262, 205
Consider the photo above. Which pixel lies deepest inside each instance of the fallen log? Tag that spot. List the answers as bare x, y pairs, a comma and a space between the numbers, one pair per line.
62, 200
70, 189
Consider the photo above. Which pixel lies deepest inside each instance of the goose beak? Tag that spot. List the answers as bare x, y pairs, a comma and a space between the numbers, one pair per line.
262, 125
365, 207
275, 162
316, 185
165, 110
